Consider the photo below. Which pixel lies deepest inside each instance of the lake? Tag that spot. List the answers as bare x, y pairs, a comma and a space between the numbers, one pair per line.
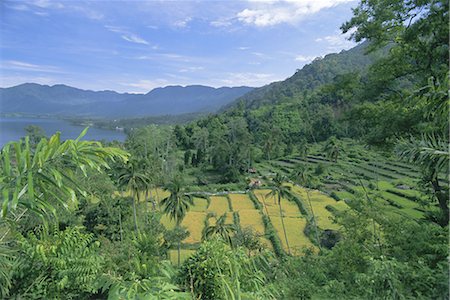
12, 129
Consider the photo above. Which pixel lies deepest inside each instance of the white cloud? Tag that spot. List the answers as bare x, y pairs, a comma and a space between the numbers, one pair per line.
47, 4
128, 36
191, 69
305, 59
248, 79
182, 23
20, 7
8, 81
145, 85
221, 23
288, 11
134, 39
244, 48
24, 66
337, 42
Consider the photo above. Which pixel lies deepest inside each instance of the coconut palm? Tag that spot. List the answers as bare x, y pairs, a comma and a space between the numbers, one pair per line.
280, 191
177, 204
302, 175
220, 228
431, 152
133, 179
333, 148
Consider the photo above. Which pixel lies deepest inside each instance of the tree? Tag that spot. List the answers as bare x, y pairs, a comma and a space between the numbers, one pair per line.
35, 133
177, 204
220, 229
303, 176
432, 153
32, 179
333, 148
40, 180
134, 180
281, 191
416, 30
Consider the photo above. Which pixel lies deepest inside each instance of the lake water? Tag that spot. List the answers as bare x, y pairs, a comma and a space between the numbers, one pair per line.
12, 129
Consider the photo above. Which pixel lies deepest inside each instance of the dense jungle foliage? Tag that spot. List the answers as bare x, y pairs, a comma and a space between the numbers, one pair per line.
90, 220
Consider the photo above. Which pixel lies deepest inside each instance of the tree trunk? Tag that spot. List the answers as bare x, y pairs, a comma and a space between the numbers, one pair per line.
120, 226
153, 201
314, 219
442, 199
282, 223
179, 246
134, 213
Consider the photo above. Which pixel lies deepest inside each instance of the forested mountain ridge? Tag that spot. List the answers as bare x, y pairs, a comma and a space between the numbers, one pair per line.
307, 79
68, 101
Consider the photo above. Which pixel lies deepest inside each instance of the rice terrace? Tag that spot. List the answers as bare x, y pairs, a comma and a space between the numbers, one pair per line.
224, 150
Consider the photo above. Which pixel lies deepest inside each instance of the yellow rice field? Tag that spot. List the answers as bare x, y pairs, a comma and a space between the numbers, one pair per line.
219, 205
184, 254
194, 221
240, 202
319, 201
251, 218
200, 205
289, 208
229, 219
294, 230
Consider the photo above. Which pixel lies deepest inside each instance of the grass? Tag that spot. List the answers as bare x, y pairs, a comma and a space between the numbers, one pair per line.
240, 202
319, 202
229, 219
294, 230
200, 205
251, 218
194, 222
184, 254
219, 205
289, 208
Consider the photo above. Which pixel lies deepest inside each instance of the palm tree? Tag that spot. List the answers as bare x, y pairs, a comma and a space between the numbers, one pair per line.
333, 148
133, 179
431, 152
303, 176
220, 229
177, 204
281, 191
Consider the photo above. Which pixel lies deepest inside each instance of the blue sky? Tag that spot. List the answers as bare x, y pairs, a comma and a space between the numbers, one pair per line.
135, 46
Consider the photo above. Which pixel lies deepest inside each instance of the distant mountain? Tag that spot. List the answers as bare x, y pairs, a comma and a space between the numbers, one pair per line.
62, 100
312, 76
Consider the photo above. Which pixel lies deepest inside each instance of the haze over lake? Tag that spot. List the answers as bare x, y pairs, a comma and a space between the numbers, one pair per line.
12, 129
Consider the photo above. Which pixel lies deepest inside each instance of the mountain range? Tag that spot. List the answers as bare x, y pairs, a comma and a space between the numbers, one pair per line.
63, 100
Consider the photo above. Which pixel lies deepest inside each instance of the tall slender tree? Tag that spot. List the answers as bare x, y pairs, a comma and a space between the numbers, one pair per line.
302, 175
281, 191
177, 204
133, 179
333, 148
220, 228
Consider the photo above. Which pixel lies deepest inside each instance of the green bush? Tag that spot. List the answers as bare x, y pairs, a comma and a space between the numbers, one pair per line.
216, 271
60, 263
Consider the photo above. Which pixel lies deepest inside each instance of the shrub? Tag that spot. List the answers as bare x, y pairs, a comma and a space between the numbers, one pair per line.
61, 263
216, 271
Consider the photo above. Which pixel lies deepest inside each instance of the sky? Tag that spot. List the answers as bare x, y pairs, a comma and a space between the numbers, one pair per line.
135, 46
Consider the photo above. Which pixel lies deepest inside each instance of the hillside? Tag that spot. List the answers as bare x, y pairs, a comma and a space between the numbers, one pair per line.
64, 100
311, 77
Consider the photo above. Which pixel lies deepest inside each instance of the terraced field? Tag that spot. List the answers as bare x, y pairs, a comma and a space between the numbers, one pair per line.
294, 231
319, 203
219, 205
184, 254
360, 174
295, 222
385, 181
